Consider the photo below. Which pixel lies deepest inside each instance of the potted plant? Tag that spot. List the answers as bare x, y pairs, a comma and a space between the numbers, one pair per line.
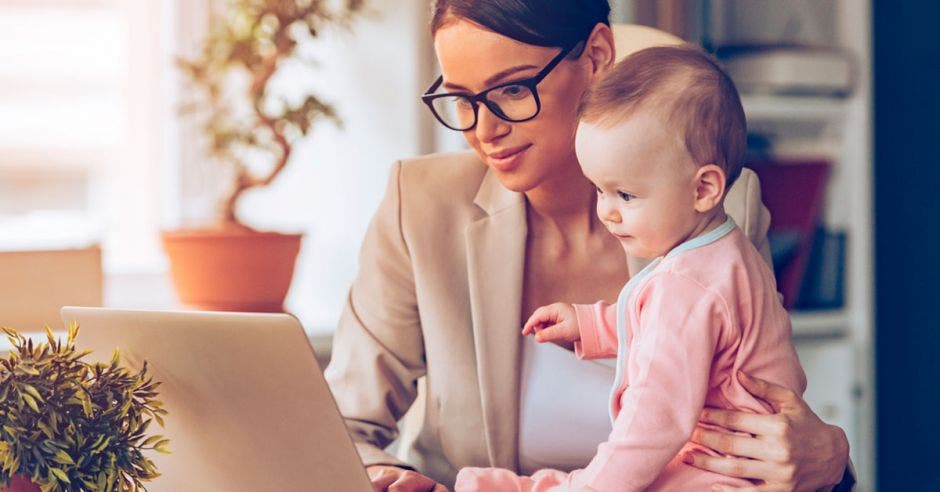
70, 425
231, 266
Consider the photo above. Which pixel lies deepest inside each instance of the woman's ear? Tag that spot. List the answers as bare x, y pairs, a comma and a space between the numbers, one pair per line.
599, 49
709, 187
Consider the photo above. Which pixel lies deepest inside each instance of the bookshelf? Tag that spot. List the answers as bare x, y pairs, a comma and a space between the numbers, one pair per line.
767, 108
835, 345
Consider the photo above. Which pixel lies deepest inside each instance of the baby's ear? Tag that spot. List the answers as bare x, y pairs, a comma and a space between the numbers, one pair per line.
709, 187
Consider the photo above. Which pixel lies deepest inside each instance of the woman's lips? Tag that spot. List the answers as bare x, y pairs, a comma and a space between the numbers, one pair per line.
507, 160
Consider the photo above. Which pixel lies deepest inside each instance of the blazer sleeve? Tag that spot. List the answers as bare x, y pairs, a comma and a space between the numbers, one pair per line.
378, 349
744, 205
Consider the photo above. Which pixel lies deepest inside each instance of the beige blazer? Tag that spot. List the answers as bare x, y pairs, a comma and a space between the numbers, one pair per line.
439, 294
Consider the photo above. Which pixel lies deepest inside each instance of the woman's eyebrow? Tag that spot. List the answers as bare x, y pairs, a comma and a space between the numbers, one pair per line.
495, 78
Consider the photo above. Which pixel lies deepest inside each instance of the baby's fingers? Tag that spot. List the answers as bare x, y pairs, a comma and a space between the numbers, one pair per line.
531, 326
542, 317
551, 333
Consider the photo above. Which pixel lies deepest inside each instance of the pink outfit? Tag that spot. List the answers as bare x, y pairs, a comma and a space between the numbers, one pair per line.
691, 320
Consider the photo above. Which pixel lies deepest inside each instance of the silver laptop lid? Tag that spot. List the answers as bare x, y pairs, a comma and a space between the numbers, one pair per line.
248, 406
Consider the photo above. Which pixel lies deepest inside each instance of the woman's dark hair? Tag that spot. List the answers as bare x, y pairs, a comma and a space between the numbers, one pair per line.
551, 23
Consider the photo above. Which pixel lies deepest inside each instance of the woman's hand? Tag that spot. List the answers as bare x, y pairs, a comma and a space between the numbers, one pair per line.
396, 479
556, 322
792, 449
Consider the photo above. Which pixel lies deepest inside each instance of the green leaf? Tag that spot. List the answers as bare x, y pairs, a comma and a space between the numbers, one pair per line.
104, 444
45, 429
30, 401
151, 440
32, 391
61, 475
86, 406
63, 458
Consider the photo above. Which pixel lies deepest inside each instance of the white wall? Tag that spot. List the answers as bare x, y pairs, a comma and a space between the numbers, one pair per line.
373, 74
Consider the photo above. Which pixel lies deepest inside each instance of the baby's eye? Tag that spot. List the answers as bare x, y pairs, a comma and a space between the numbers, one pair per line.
598, 190
625, 196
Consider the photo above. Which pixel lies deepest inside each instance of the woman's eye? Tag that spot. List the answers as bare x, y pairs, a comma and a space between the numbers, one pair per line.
625, 196
514, 91
463, 103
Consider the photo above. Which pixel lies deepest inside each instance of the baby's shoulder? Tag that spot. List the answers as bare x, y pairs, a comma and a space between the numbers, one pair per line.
725, 267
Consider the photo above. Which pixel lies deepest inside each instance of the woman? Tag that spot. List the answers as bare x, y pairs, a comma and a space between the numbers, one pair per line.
465, 246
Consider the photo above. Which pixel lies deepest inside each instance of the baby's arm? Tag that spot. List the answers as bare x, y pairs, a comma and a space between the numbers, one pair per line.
554, 322
597, 325
593, 327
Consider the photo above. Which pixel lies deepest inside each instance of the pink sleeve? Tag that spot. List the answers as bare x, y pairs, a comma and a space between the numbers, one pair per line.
668, 368
477, 479
597, 324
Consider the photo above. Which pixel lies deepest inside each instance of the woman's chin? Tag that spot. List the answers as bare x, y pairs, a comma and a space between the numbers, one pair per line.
518, 182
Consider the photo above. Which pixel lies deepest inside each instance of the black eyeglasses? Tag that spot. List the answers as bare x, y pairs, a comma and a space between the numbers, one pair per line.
514, 101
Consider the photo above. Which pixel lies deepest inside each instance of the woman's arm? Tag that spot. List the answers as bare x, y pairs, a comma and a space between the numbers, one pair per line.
792, 449
378, 353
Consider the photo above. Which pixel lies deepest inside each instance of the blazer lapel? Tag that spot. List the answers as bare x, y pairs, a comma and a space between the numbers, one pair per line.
495, 261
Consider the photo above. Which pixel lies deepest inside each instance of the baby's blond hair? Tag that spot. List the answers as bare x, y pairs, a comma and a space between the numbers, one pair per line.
689, 89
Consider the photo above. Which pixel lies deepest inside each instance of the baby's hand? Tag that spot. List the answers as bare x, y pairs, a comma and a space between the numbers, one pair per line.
555, 322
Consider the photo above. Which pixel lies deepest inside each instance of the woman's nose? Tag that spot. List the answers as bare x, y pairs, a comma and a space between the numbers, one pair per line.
489, 126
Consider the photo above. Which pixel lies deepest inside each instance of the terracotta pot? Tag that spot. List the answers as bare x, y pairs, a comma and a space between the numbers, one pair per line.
20, 484
232, 269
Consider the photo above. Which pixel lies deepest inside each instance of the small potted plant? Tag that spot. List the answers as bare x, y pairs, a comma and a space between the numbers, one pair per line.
231, 266
70, 425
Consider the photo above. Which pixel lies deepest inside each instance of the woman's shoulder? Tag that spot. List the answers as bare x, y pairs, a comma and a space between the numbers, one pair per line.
446, 168
453, 177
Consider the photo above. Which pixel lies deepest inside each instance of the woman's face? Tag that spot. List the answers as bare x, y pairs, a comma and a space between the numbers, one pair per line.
522, 154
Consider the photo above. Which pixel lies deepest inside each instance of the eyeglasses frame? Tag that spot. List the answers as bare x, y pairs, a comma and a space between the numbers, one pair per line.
475, 99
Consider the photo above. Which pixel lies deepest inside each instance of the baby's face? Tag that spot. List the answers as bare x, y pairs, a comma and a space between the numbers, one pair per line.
645, 182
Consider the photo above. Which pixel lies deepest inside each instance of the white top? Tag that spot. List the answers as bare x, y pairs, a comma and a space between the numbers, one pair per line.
557, 389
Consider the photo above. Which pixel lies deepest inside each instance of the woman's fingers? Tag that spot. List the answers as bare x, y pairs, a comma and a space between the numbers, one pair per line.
413, 482
395, 479
751, 423
777, 396
743, 446
774, 475
729, 467
753, 488
792, 449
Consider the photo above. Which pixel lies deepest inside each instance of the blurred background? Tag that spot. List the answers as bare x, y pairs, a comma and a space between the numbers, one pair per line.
97, 162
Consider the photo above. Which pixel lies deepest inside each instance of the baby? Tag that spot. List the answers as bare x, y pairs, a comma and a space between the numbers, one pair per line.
662, 137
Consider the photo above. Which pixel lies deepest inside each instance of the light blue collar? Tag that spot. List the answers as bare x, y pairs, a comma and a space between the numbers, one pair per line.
709, 237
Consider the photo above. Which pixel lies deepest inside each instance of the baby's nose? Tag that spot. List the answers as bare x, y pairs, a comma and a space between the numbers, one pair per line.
611, 215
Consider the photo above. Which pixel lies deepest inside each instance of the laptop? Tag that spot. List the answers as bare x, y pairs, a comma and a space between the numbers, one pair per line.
248, 407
